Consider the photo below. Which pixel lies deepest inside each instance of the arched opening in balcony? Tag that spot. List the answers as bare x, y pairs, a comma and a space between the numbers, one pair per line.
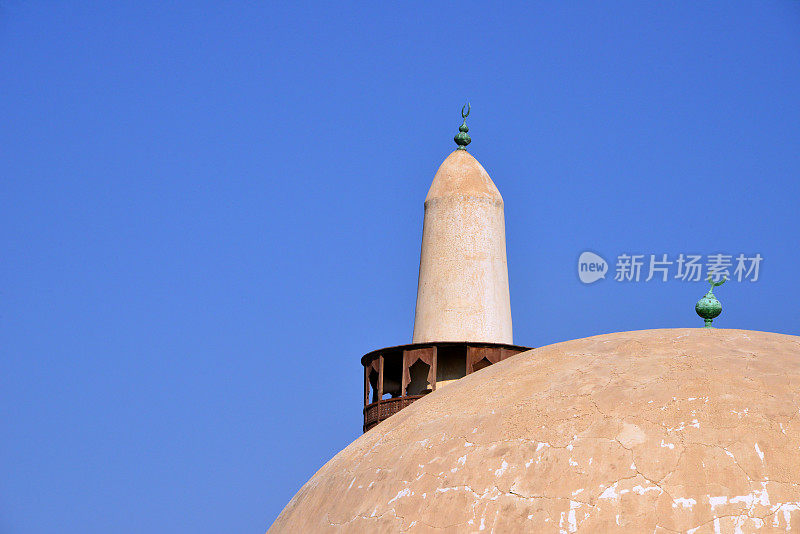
372, 385
483, 362
419, 384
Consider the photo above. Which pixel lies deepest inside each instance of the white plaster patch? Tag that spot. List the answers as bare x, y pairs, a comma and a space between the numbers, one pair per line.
757, 496
685, 503
571, 520
573, 523
667, 445
503, 467
641, 490
610, 492
402, 493
760, 454
787, 509
677, 428
717, 501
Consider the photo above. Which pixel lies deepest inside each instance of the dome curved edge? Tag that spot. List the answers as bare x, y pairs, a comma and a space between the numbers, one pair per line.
673, 429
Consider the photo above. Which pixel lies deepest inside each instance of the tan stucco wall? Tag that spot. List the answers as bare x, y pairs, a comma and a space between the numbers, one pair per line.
463, 291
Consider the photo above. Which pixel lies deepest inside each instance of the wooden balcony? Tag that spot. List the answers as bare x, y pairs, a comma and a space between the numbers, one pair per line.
383, 409
409, 372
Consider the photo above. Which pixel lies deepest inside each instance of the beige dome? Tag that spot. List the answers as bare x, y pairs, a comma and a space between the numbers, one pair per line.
680, 430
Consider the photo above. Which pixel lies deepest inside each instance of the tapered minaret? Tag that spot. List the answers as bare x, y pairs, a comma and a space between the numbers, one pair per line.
463, 275
463, 318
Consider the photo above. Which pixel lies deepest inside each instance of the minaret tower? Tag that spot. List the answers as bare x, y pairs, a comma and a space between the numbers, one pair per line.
463, 274
463, 316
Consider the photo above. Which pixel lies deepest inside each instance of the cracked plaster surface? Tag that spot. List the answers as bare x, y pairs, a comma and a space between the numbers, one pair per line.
679, 430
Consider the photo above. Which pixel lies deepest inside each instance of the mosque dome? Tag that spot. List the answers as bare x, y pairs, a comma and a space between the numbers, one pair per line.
674, 430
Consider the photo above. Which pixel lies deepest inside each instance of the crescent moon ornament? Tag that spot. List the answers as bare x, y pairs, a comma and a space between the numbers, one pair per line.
462, 138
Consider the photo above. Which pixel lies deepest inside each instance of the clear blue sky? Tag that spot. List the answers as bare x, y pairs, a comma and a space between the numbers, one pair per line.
210, 211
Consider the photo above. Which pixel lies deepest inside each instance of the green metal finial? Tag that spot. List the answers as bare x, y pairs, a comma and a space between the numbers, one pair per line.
709, 307
462, 138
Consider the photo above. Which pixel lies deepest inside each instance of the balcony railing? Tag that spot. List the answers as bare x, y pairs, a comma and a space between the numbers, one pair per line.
383, 409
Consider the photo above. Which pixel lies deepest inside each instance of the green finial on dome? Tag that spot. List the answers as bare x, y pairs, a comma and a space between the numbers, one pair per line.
462, 138
709, 307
